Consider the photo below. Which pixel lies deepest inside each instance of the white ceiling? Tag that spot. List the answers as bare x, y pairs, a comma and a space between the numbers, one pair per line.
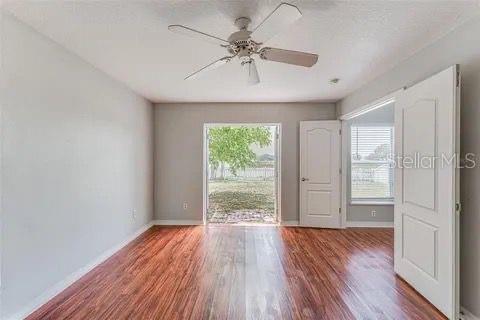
356, 41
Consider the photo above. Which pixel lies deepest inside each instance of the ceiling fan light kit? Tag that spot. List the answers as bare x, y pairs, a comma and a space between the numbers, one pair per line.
252, 72
244, 44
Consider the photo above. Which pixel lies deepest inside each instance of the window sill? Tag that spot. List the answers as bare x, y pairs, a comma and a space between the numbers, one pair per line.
371, 203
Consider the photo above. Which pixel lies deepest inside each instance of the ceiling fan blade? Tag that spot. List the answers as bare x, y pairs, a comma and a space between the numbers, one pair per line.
211, 66
280, 18
197, 34
297, 58
252, 72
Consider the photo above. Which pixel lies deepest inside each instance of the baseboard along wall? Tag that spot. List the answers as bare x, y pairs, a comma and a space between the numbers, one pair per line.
369, 224
70, 279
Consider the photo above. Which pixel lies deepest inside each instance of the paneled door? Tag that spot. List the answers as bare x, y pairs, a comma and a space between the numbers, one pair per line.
426, 189
320, 174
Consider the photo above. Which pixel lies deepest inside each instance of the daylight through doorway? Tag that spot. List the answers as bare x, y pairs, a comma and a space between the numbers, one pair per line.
241, 174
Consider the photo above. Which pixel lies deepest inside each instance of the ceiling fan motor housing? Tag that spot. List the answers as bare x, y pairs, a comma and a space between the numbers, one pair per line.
241, 44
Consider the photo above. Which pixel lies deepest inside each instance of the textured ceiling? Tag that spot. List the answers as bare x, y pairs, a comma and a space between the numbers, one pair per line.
356, 41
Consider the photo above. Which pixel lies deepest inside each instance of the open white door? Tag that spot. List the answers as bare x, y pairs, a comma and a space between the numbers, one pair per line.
320, 174
426, 132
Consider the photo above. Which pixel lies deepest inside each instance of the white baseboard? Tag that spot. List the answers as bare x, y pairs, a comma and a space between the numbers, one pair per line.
467, 315
65, 283
292, 223
178, 222
369, 224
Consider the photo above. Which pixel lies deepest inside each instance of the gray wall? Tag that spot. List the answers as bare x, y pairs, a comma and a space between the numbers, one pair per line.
363, 212
179, 150
462, 47
77, 159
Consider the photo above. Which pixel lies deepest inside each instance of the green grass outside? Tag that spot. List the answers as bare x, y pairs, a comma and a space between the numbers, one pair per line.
253, 201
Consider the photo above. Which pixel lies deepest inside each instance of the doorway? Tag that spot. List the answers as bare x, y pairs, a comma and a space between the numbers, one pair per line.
241, 174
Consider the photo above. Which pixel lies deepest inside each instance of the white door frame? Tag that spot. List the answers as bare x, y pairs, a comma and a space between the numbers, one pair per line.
278, 156
390, 98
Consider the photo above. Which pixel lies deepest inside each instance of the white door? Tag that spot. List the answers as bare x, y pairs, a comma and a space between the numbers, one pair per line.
320, 174
278, 191
426, 188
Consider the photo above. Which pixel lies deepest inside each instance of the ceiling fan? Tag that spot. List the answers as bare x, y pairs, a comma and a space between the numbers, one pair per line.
246, 43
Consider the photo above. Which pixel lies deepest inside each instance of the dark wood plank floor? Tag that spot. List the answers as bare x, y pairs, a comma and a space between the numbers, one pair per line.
238, 272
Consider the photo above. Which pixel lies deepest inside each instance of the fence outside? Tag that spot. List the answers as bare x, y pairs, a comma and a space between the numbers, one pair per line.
265, 173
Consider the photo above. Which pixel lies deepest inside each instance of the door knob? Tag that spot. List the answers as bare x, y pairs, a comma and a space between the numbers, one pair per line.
305, 179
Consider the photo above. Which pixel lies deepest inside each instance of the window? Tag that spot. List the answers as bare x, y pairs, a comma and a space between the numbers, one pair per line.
371, 164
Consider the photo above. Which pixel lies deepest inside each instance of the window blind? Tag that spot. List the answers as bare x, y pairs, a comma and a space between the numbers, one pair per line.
371, 163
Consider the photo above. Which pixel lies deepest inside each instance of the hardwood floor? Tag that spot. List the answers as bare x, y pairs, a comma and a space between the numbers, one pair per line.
238, 272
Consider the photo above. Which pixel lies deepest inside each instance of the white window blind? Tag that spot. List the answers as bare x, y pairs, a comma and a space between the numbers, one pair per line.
371, 163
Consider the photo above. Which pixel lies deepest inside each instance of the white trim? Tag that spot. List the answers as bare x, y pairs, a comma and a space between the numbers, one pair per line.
344, 147
278, 155
75, 276
457, 199
467, 315
240, 124
205, 174
371, 203
178, 222
372, 124
372, 106
278, 163
1, 193
292, 223
369, 224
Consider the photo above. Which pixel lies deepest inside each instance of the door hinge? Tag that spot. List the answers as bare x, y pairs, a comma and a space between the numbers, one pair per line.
458, 79
340, 131
339, 210
340, 170
458, 207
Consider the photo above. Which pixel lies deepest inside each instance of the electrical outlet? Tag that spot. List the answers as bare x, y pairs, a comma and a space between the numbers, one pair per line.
185, 206
374, 213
